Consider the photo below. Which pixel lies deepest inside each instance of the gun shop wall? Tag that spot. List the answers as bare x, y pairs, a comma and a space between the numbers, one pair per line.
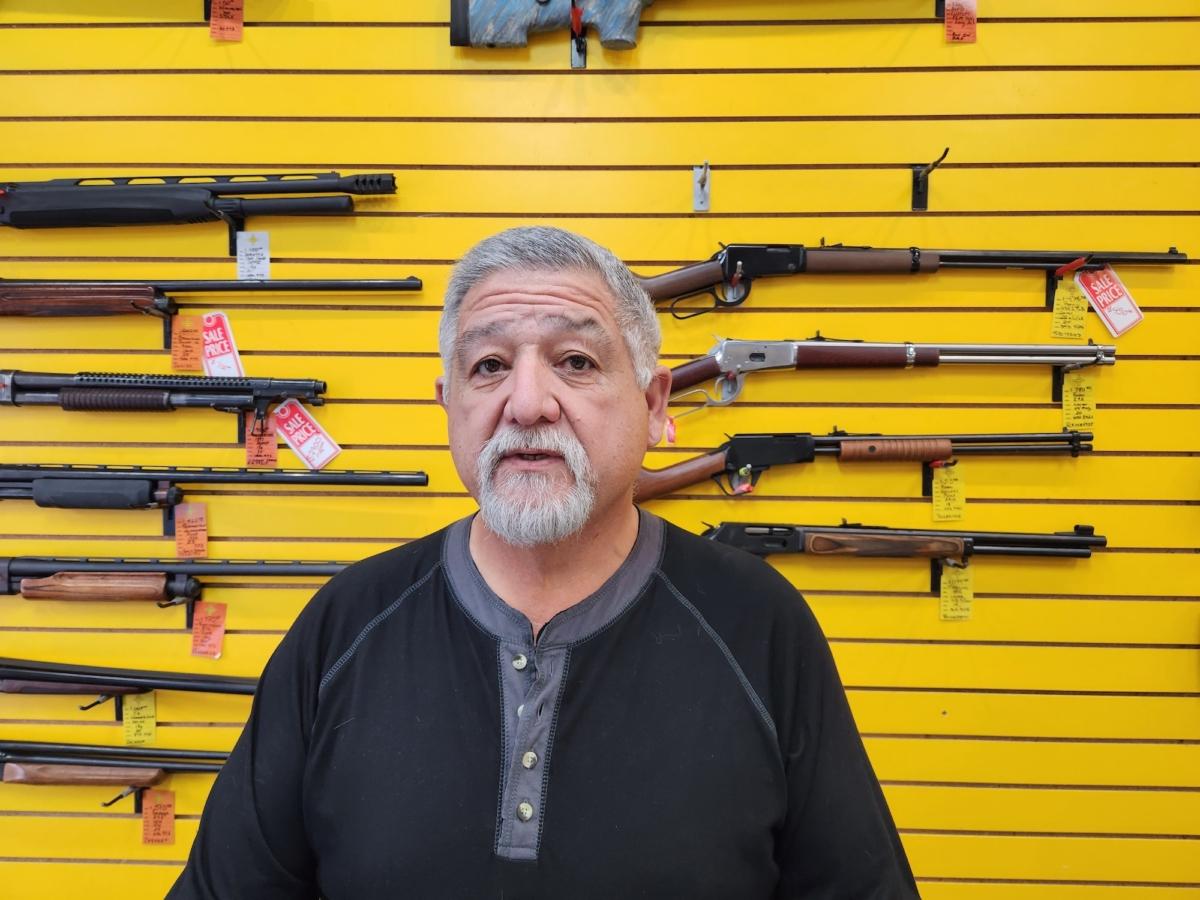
1046, 747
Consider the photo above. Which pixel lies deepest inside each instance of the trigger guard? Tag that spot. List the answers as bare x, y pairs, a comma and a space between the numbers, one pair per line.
727, 390
733, 295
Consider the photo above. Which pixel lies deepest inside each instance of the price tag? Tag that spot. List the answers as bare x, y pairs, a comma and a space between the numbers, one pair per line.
958, 593
208, 629
262, 449
1070, 310
1079, 402
221, 359
253, 255
961, 20
158, 816
191, 530
949, 493
226, 19
1110, 299
304, 435
187, 346
138, 718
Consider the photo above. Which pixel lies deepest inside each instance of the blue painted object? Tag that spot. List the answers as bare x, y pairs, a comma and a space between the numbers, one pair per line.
508, 23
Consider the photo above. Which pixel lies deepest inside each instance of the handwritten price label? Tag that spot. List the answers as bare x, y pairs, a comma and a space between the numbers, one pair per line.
304, 435
187, 346
1079, 402
262, 445
1070, 310
961, 21
208, 629
191, 530
949, 493
139, 718
158, 817
226, 20
957, 594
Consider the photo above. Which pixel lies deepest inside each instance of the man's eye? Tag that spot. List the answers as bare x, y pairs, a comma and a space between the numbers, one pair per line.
577, 362
488, 366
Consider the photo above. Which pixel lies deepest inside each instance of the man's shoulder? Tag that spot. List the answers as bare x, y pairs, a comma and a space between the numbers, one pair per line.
709, 572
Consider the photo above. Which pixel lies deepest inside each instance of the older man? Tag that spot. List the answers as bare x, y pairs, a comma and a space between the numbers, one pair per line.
562, 696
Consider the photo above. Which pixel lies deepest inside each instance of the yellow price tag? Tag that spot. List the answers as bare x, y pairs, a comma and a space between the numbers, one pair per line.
949, 493
958, 593
1070, 310
1079, 402
139, 718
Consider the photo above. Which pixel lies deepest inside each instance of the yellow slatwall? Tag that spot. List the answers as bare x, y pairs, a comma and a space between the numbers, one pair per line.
1047, 748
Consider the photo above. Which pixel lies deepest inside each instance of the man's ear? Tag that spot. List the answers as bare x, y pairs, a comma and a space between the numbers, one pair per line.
439, 390
658, 392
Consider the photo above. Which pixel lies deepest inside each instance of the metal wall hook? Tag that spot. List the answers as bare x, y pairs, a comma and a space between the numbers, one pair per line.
920, 182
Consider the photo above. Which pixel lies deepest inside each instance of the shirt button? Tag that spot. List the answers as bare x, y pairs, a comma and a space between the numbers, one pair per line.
529, 759
520, 662
524, 810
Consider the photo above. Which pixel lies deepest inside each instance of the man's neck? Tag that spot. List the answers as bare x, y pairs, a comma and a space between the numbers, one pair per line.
542, 581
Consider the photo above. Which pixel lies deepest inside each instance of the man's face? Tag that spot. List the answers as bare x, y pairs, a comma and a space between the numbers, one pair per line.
547, 424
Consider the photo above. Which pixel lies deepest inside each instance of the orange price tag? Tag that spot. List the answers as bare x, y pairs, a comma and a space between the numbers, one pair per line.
187, 344
262, 449
191, 530
208, 629
158, 817
961, 18
225, 21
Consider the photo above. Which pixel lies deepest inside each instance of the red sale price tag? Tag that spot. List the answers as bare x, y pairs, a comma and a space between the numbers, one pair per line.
961, 19
226, 19
208, 629
1110, 299
221, 357
304, 435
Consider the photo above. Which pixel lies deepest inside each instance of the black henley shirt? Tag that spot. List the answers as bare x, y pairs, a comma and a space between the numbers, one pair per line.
681, 733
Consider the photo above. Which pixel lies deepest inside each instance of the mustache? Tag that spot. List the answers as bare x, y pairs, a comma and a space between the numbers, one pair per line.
542, 438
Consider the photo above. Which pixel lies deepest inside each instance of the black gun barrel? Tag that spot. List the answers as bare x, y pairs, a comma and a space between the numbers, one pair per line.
16, 567
63, 673
57, 754
223, 185
1052, 259
218, 286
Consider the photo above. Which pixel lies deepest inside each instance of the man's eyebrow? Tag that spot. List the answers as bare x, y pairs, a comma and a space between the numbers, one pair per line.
554, 322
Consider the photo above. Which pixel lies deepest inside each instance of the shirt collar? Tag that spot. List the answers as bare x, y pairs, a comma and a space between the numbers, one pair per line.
573, 624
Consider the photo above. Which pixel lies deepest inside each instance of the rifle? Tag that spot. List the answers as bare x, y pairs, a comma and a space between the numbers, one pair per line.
940, 547
21, 676
486, 23
150, 487
114, 392
176, 199
56, 297
134, 768
730, 272
164, 582
730, 360
741, 460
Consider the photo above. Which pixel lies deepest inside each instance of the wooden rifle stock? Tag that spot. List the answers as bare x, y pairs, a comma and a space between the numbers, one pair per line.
682, 282
923, 450
75, 300
834, 543
866, 261
653, 483
97, 586
47, 773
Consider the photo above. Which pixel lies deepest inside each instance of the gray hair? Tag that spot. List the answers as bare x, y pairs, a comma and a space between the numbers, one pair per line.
543, 249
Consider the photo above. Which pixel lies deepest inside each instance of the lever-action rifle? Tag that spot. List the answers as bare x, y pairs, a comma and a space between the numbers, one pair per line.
148, 487
133, 768
878, 541
39, 297
730, 360
738, 463
729, 274
162, 581
176, 199
22, 676
113, 392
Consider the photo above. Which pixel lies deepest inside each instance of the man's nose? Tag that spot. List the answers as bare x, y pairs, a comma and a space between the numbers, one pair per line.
532, 398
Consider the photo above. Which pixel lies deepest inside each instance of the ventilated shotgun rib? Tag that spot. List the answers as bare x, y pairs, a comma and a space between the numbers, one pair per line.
738, 464
732, 270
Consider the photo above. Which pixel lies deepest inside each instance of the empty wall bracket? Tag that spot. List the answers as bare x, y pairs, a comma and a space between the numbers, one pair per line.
920, 182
